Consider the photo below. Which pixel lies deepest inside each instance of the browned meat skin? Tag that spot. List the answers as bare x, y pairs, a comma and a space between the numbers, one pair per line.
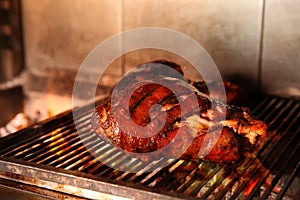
235, 95
141, 93
170, 64
140, 114
247, 126
226, 148
106, 127
103, 119
239, 134
156, 70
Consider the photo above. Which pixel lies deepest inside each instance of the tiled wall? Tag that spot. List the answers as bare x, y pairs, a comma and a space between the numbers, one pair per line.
59, 34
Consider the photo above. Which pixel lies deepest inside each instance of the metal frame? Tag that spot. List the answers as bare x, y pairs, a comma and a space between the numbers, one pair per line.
75, 183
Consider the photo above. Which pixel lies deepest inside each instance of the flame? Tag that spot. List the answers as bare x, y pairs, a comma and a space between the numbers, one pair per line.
263, 173
251, 185
42, 106
57, 104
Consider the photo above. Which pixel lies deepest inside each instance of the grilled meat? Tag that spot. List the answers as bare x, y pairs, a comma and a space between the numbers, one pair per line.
226, 148
206, 128
235, 95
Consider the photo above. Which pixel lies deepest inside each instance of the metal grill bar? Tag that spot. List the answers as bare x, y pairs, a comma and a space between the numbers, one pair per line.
267, 173
290, 180
55, 144
269, 149
279, 175
247, 164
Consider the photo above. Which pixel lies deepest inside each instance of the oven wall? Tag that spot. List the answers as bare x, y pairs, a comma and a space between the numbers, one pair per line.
280, 72
59, 35
255, 43
228, 30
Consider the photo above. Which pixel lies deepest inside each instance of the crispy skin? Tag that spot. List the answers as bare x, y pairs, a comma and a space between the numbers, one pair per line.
106, 125
226, 148
232, 137
170, 64
235, 95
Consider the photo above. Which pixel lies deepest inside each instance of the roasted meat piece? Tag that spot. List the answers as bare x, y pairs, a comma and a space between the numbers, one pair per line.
148, 117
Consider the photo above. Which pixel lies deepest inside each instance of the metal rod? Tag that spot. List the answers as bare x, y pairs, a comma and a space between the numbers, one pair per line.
289, 182
278, 158
284, 165
274, 145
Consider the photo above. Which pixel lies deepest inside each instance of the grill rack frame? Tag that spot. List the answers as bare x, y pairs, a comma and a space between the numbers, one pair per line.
61, 179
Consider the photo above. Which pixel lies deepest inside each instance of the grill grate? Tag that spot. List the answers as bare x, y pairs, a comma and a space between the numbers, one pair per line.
55, 146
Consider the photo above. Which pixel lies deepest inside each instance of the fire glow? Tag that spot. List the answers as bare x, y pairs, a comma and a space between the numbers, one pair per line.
37, 107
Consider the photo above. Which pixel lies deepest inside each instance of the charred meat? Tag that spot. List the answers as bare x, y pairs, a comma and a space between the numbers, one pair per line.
212, 130
235, 95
